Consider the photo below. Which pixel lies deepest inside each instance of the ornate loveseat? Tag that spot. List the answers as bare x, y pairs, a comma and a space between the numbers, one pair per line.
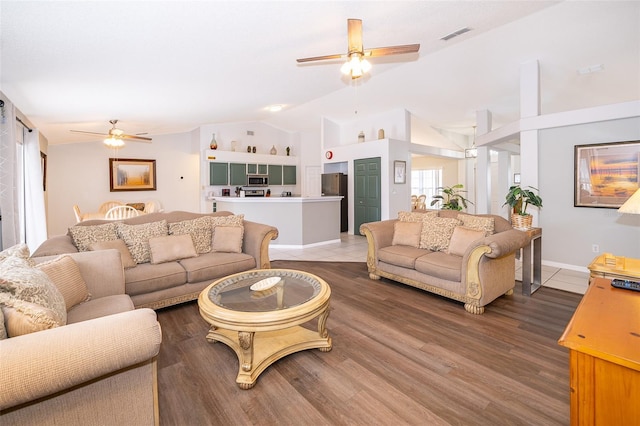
469, 258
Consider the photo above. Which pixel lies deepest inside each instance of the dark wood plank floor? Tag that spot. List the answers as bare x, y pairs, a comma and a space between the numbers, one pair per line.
400, 356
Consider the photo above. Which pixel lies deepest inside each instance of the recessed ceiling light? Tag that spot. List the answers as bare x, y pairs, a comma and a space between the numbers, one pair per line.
274, 108
590, 69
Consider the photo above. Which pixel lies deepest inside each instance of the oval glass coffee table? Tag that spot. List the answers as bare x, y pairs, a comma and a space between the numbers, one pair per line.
264, 324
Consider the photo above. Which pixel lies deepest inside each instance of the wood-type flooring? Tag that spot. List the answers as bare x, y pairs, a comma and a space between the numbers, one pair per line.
400, 356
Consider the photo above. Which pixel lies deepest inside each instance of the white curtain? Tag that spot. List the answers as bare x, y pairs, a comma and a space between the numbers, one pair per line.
35, 217
9, 179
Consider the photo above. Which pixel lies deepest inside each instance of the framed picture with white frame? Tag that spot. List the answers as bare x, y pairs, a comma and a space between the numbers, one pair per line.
399, 171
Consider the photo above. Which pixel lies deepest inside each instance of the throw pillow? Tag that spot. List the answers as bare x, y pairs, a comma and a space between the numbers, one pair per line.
3, 329
25, 317
415, 216
462, 238
22, 282
137, 237
200, 230
406, 234
170, 248
233, 220
480, 223
84, 236
227, 239
436, 233
127, 260
19, 250
65, 274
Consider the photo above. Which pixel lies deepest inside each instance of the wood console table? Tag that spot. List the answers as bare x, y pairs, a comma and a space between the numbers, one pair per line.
610, 266
603, 338
529, 287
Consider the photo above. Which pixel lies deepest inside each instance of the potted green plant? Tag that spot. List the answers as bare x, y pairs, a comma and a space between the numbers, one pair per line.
451, 198
519, 199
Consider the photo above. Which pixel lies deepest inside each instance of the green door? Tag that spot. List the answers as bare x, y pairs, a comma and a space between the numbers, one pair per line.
366, 188
218, 173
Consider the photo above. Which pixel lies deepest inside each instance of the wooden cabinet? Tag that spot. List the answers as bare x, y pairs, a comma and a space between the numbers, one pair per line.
218, 173
288, 175
603, 338
238, 174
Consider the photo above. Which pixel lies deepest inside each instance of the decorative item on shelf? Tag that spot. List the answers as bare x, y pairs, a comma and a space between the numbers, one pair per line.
451, 198
273, 151
214, 143
288, 151
361, 137
381, 134
249, 148
253, 149
519, 199
234, 146
268, 193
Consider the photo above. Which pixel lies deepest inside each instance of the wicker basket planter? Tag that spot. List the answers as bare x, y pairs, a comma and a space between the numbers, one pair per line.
520, 222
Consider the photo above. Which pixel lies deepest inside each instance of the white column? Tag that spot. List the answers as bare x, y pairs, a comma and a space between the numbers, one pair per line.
504, 181
483, 166
529, 107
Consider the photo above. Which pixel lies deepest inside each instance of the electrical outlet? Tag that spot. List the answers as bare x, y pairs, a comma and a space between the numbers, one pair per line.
595, 248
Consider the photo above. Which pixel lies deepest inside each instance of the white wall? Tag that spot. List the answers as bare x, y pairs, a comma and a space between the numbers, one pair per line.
569, 232
79, 174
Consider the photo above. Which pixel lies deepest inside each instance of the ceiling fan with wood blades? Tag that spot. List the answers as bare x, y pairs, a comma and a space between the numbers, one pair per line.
357, 64
115, 136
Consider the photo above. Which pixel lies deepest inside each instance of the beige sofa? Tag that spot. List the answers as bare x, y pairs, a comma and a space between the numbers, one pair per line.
471, 267
100, 368
163, 284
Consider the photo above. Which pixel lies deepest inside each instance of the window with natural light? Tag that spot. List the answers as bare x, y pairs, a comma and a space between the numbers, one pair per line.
426, 182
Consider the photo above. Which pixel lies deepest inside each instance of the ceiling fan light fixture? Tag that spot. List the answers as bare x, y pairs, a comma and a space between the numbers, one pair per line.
113, 142
356, 66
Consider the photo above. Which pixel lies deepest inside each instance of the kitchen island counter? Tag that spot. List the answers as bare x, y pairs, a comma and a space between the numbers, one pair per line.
301, 221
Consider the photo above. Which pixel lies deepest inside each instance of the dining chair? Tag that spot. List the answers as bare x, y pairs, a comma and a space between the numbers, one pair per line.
153, 206
107, 205
422, 202
76, 211
414, 202
121, 212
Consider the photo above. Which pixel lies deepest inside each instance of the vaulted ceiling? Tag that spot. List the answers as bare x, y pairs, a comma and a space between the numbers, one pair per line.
170, 66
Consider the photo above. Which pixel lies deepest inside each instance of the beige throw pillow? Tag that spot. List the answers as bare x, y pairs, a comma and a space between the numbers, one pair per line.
137, 237
170, 248
200, 230
127, 260
407, 234
227, 239
481, 223
462, 238
65, 274
84, 236
25, 317
436, 233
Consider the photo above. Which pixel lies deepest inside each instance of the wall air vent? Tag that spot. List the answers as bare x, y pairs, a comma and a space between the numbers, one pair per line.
456, 33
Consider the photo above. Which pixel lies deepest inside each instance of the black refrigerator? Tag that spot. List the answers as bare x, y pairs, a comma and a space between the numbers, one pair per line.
336, 184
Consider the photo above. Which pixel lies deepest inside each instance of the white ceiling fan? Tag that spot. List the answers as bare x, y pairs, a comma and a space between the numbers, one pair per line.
356, 55
115, 137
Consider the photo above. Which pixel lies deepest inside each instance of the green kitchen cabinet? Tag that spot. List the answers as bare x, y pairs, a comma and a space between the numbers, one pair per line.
238, 174
288, 175
275, 174
218, 173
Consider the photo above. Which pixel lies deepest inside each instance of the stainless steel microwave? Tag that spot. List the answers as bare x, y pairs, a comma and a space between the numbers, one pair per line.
257, 180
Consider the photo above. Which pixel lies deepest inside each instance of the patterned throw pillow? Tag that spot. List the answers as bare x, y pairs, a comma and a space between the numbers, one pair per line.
65, 275
136, 237
200, 230
21, 282
3, 329
415, 216
19, 250
436, 233
84, 236
22, 317
479, 223
233, 220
